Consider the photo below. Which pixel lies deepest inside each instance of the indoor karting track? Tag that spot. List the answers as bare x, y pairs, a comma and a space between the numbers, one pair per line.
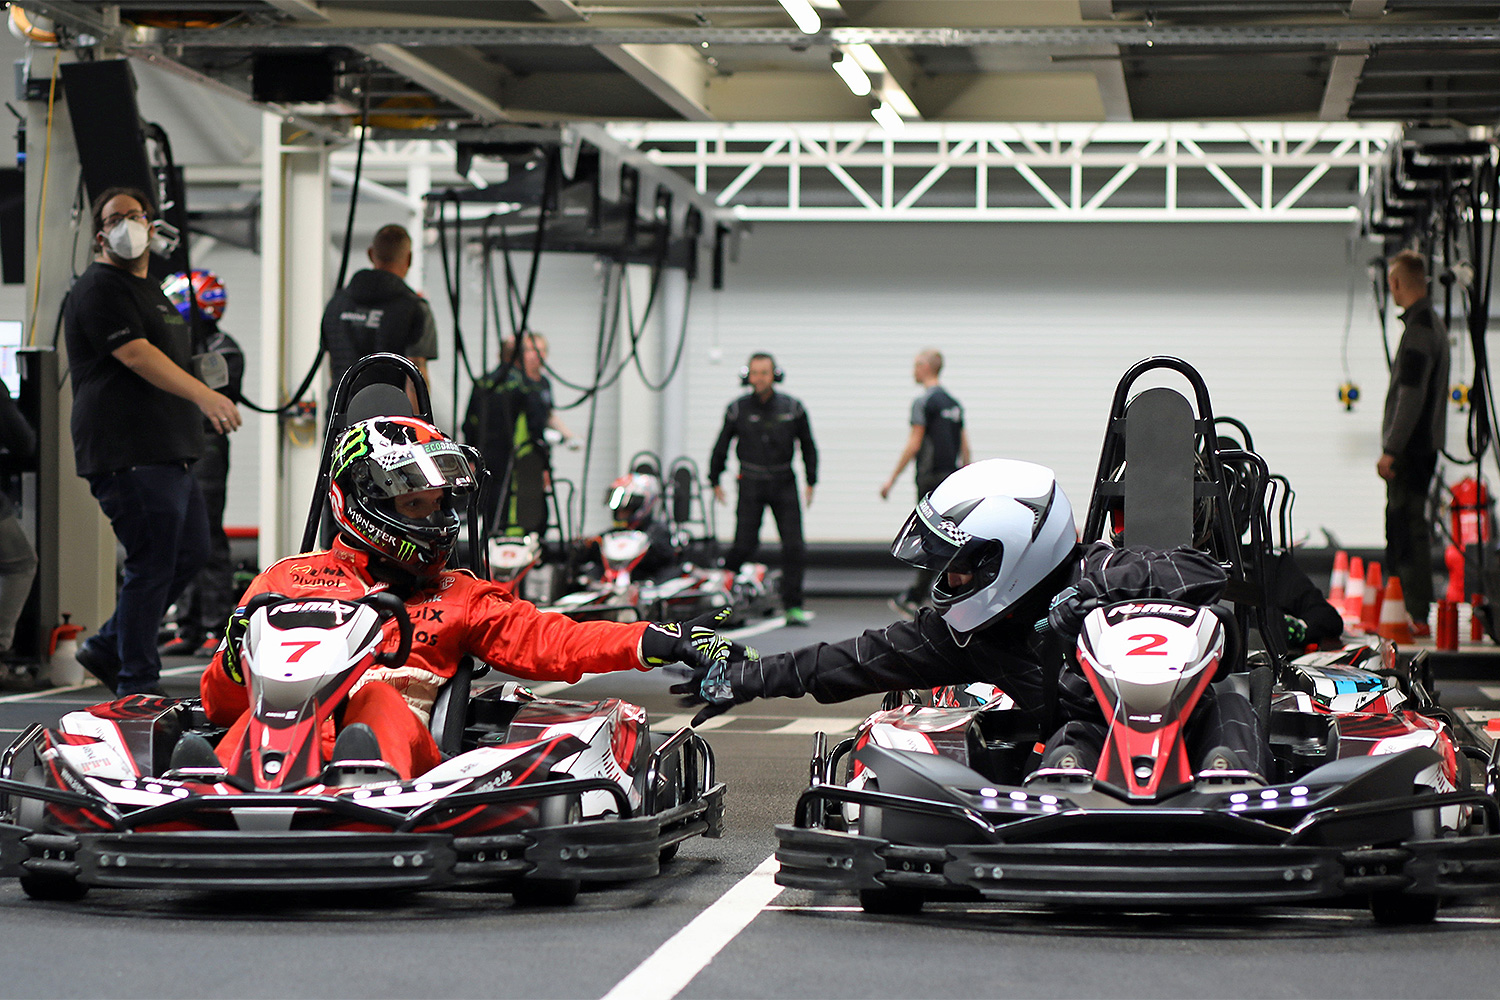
745, 940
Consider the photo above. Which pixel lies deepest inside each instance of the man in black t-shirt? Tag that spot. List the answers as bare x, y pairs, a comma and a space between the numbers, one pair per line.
377, 311
138, 424
940, 445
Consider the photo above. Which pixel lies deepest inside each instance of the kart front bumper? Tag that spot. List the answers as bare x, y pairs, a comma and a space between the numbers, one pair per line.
596, 851
1138, 874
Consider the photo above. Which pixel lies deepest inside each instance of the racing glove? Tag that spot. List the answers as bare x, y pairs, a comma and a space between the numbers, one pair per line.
712, 685
692, 642
239, 622
1296, 631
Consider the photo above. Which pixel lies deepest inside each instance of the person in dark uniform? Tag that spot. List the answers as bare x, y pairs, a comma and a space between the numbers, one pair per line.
1412, 433
940, 445
138, 422
507, 417
203, 609
768, 425
17, 557
377, 311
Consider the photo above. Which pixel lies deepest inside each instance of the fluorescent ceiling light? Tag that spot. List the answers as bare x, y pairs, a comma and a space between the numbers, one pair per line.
803, 15
887, 117
473, 178
898, 100
851, 73
865, 56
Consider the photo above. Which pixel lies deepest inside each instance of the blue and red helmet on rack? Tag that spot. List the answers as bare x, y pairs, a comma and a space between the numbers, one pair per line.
207, 289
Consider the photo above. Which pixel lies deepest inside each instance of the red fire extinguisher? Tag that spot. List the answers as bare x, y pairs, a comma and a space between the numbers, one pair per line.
1469, 513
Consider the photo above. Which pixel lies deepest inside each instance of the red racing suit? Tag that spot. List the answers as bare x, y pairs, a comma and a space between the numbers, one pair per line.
456, 614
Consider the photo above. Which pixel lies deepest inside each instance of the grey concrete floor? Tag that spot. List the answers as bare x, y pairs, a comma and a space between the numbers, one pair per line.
473, 944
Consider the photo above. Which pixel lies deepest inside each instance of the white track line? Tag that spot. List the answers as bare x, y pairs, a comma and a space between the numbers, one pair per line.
672, 966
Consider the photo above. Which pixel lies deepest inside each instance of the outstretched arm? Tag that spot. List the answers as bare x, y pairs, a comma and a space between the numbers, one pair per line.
913, 445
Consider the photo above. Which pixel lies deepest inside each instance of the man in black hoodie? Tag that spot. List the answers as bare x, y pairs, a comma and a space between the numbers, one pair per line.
377, 311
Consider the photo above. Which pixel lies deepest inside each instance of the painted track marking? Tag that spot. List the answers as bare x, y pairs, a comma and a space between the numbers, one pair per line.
688, 952
745, 632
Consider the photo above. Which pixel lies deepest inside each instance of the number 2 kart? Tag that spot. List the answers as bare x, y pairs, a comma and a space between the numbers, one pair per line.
1368, 800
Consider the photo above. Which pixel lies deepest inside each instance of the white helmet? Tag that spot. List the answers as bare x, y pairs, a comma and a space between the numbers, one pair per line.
1006, 524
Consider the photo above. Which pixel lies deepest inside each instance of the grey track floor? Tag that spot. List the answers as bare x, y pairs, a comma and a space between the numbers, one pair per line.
473, 944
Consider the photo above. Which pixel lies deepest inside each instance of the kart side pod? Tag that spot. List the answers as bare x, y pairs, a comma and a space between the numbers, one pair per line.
921, 776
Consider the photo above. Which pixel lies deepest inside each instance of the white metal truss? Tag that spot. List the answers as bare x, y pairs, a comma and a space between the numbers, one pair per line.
1073, 172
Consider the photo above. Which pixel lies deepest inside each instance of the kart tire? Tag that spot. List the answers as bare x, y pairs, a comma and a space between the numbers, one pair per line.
44, 886
668, 789
555, 810
1394, 908
891, 902
884, 901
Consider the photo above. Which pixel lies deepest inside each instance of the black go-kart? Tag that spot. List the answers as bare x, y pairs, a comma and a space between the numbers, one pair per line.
1371, 800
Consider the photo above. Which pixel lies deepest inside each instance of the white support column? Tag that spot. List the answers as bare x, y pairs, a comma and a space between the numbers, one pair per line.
294, 290
672, 303
75, 546
639, 406
418, 183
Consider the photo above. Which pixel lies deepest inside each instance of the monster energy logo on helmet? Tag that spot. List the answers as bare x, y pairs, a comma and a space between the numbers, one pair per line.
405, 550
354, 444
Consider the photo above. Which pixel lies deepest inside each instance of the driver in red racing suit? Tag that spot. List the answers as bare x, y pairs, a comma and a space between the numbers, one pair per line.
392, 501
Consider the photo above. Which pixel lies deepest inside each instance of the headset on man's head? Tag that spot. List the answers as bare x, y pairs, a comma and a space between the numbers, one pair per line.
776, 373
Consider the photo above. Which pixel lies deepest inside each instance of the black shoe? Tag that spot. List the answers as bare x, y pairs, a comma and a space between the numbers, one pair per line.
153, 691
186, 644
193, 750
356, 742
1223, 759
105, 666
1068, 757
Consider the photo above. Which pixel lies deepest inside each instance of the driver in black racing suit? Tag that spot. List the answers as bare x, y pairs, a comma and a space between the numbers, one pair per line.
1012, 591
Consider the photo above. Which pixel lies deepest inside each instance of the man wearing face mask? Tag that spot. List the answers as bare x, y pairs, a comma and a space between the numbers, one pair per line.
138, 422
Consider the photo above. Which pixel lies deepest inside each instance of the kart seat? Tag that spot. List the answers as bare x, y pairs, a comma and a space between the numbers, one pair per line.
450, 709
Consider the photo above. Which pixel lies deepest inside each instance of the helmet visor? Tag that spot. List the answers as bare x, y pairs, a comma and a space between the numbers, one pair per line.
928, 541
429, 466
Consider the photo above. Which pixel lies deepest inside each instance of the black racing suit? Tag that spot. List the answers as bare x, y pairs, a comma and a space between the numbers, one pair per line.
768, 431
1016, 652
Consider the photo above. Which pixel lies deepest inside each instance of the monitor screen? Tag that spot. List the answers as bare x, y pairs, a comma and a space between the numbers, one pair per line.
11, 339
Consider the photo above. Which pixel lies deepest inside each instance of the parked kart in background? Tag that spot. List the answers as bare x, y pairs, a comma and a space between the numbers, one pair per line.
1368, 802
607, 570
532, 796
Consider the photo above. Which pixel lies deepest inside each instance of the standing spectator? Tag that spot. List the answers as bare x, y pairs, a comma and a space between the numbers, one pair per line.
203, 609
1412, 433
137, 428
17, 557
377, 311
768, 425
940, 445
508, 415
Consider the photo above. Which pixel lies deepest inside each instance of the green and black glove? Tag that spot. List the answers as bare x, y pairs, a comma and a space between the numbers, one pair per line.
706, 654
1296, 631
239, 623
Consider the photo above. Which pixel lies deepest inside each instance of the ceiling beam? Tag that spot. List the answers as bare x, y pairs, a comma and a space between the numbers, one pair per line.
438, 81
675, 74
1343, 78
300, 10
560, 10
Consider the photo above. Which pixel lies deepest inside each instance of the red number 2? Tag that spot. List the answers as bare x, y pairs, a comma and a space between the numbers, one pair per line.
1148, 645
305, 646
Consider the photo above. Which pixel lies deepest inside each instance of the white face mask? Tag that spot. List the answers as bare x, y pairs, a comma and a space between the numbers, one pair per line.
129, 239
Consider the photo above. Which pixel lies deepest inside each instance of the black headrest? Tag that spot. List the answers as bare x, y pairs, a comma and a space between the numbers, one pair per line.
379, 399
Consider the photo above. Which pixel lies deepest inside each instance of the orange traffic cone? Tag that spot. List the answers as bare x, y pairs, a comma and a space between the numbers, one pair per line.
1354, 591
1369, 612
1340, 577
1393, 622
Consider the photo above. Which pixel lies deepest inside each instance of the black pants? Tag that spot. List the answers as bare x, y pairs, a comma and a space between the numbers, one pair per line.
1408, 536
1221, 718
204, 607
158, 515
781, 496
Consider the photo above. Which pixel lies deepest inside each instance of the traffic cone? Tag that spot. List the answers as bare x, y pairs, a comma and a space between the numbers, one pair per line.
1393, 623
1354, 591
1340, 577
1369, 612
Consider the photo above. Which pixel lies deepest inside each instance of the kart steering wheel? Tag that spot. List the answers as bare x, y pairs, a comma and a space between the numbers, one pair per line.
388, 606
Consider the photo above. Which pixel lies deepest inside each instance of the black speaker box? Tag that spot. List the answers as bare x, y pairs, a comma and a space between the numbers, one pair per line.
12, 226
107, 126
295, 77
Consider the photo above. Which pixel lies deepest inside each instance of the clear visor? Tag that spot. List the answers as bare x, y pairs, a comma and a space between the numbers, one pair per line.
439, 465
927, 541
